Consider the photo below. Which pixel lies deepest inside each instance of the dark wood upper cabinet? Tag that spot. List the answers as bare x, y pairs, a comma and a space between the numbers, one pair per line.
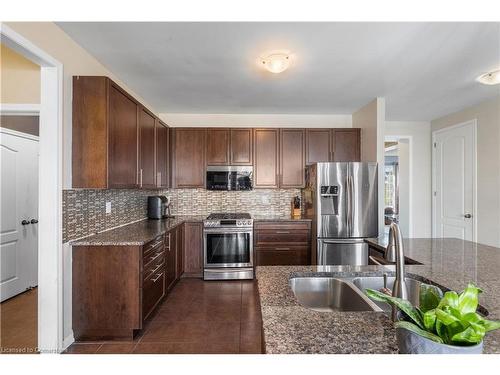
117, 142
162, 155
218, 146
318, 146
346, 144
188, 157
292, 158
266, 158
324, 145
147, 149
123, 139
229, 146
241, 150
105, 135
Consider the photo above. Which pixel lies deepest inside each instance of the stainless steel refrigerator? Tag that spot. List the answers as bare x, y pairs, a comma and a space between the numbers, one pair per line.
341, 199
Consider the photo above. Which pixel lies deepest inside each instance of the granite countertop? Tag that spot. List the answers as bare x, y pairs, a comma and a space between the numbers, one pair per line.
141, 232
450, 263
135, 234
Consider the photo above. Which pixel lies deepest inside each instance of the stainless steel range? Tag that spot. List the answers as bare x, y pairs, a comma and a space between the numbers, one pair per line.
228, 246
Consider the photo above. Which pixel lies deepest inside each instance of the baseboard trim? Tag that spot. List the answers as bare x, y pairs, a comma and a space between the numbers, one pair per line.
68, 340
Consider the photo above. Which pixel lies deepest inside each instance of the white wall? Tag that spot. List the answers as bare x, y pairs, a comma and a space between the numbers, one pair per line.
371, 120
404, 186
256, 120
487, 115
420, 198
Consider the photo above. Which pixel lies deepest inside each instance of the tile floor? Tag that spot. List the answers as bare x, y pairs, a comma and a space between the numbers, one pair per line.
18, 323
197, 317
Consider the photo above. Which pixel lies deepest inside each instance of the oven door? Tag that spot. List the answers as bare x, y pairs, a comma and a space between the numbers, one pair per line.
227, 247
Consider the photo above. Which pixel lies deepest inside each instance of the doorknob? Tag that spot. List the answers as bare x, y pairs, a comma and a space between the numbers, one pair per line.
34, 221
467, 216
25, 222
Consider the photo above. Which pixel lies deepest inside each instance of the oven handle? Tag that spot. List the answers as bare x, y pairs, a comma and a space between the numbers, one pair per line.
227, 230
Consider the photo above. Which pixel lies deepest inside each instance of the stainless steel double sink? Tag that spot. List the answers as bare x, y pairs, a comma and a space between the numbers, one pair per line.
346, 293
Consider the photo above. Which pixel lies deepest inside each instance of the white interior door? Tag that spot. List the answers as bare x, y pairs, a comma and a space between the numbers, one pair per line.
454, 181
19, 213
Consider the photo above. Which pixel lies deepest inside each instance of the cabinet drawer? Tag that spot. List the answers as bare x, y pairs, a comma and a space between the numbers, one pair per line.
281, 226
293, 237
154, 256
152, 245
153, 267
282, 256
153, 292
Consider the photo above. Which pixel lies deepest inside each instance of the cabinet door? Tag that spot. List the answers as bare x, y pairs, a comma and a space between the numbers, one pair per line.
346, 144
292, 158
147, 160
241, 147
217, 146
189, 158
162, 172
193, 249
170, 259
179, 250
123, 142
266, 163
318, 146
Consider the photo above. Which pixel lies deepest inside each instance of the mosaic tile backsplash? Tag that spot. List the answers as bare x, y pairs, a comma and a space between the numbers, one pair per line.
84, 210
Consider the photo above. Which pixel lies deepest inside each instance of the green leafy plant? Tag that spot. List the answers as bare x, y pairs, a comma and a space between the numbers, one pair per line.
447, 319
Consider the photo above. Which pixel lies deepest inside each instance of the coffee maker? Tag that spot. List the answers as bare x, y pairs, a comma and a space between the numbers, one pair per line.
159, 207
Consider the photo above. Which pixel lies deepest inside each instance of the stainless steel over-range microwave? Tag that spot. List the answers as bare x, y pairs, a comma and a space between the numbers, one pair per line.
229, 178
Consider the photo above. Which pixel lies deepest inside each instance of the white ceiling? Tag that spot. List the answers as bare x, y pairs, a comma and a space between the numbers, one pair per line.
424, 70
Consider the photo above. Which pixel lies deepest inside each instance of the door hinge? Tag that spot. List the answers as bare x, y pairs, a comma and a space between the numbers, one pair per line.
435, 144
435, 193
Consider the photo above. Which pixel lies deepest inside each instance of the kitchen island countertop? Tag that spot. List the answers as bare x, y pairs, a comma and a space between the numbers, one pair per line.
292, 328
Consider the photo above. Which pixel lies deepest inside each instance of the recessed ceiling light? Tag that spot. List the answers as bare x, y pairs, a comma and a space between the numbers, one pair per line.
490, 78
276, 62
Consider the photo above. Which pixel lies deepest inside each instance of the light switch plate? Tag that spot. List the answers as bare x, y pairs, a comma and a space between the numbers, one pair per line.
108, 207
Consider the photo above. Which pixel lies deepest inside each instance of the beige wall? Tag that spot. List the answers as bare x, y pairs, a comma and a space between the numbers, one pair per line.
420, 190
371, 120
19, 78
487, 115
76, 61
257, 120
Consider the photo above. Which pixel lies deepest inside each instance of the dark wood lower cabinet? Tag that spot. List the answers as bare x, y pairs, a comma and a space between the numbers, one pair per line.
282, 243
116, 288
193, 249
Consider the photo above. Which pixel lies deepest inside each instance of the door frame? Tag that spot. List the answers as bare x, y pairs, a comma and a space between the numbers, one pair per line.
409, 138
50, 260
472, 123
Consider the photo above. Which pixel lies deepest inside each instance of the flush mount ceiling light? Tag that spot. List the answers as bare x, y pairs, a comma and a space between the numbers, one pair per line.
490, 78
276, 62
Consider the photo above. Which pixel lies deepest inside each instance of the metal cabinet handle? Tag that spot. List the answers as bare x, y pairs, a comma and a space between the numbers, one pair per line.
34, 221
156, 268
282, 232
467, 216
140, 178
25, 222
282, 248
157, 277
155, 257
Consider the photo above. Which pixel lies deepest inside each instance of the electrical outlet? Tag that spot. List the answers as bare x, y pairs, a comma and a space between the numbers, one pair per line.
108, 207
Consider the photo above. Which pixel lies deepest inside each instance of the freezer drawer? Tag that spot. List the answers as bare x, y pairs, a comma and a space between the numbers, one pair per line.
342, 252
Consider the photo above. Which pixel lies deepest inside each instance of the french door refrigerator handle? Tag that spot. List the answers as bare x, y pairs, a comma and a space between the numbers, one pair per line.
348, 204
353, 205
